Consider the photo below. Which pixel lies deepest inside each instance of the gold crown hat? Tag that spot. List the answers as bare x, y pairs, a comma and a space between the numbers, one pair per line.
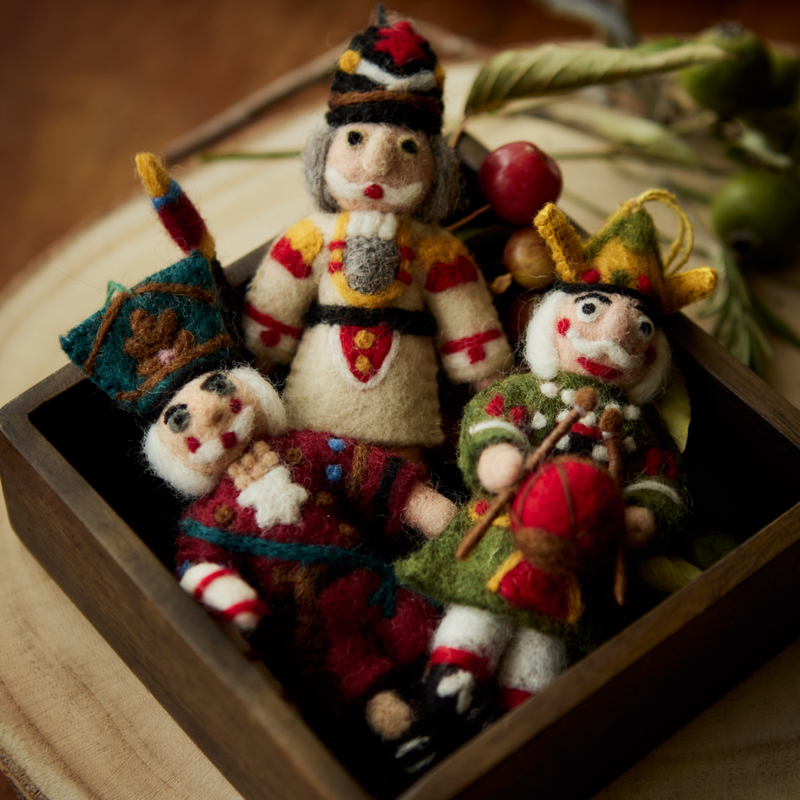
624, 255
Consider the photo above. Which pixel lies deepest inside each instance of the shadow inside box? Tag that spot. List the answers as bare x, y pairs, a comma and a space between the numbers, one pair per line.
738, 463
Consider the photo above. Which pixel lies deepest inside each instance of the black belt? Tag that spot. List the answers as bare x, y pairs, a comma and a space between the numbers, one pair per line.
411, 323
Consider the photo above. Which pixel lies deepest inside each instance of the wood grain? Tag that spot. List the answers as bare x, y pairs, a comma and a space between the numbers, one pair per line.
73, 719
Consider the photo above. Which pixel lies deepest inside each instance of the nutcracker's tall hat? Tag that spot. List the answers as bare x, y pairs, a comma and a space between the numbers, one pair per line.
151, 339
388, 74
624, 256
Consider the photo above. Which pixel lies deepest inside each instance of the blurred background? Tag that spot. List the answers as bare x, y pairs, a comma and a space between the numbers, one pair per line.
86, 84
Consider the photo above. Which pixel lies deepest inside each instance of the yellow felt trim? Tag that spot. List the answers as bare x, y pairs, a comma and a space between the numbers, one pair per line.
438, 71
358, 299
688, 287
501, 521
306, 238
615, 257
154, 177
439, 250
563, 242
493, 584
207, 246
349, 61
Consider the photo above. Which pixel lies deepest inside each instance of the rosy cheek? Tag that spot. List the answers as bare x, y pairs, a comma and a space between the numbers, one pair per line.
650, 355
563, 326
192, 443
236, 405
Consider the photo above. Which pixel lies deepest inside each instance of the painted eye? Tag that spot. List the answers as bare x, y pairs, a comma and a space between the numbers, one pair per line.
218, 384
354, 138
409, 146
588, 310
178, 418
646, 328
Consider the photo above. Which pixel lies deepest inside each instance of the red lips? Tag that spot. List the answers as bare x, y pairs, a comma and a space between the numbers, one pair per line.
373, 191
228, 440
599, 370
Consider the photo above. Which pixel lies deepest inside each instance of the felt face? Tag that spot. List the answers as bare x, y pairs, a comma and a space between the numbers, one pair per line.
606, 335
211, 421
379, 167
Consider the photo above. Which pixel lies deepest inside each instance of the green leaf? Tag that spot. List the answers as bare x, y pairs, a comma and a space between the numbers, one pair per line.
676, 409
654, 139
666, 573
551, 68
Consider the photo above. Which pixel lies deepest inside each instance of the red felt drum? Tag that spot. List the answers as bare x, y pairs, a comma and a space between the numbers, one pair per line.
568, 515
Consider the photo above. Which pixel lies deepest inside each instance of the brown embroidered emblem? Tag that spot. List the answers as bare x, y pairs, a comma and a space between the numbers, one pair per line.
156, 342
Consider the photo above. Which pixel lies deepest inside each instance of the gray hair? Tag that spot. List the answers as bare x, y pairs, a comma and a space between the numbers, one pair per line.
440, 201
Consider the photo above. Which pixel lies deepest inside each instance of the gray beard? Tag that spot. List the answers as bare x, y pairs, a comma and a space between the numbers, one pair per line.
370, 265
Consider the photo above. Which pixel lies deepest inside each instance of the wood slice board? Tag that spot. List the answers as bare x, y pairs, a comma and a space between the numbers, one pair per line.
74, 722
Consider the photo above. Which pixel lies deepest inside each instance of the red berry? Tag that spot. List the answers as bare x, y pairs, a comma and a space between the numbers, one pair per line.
518, 179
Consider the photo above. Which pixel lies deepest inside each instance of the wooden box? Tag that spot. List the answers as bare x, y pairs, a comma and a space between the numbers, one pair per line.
78, 499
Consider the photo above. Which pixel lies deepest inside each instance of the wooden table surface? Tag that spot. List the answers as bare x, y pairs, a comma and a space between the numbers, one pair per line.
75, 722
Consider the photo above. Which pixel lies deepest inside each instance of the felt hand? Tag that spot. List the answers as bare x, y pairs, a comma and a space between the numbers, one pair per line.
640, 527
499, 466
253, 465
225, 591
428, 511
483, 383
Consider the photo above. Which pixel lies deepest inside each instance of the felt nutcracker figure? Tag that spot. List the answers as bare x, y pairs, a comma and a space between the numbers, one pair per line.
543, 582
359, 297
287, 524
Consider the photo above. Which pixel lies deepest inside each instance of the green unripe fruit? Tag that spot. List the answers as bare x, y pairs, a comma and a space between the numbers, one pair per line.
730, 87
757, 214
785, 80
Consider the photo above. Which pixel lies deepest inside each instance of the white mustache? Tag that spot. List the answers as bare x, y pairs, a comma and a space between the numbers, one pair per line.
341, 187
211, 450
595, 349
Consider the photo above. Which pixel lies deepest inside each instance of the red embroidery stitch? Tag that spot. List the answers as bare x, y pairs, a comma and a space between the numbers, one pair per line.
292, 259
463, 659
404, 277
591, 276
494, 408
401, 42
193, 444
518, 415
563, 326
203, 584
472, 344
481, 507
275, 328
407, 253
585, 430
446, 276
645, 284
334, 266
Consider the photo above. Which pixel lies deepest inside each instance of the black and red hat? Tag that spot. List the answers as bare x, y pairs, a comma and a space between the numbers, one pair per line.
388, 74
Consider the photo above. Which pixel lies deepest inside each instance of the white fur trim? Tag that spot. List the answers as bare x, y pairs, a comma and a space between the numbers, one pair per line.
549, 389
489, 424
460, 685
372, 225
539, 421
600, 452
276, 500
400, 197
568, 397
632, 412
475, 631
562, 415
656, 487
340, 360
589, 420
540, 347
419, 82
222, 592
171, 469
629, 443
653, 382
533, 661
563, 442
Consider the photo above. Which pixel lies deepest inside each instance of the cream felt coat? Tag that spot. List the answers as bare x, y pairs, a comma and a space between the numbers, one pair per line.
364, 365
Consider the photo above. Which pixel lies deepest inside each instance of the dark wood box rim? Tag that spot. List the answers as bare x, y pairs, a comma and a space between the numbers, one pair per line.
535, 741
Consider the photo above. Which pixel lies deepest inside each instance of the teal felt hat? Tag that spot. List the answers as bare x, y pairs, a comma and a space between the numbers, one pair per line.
146, 342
